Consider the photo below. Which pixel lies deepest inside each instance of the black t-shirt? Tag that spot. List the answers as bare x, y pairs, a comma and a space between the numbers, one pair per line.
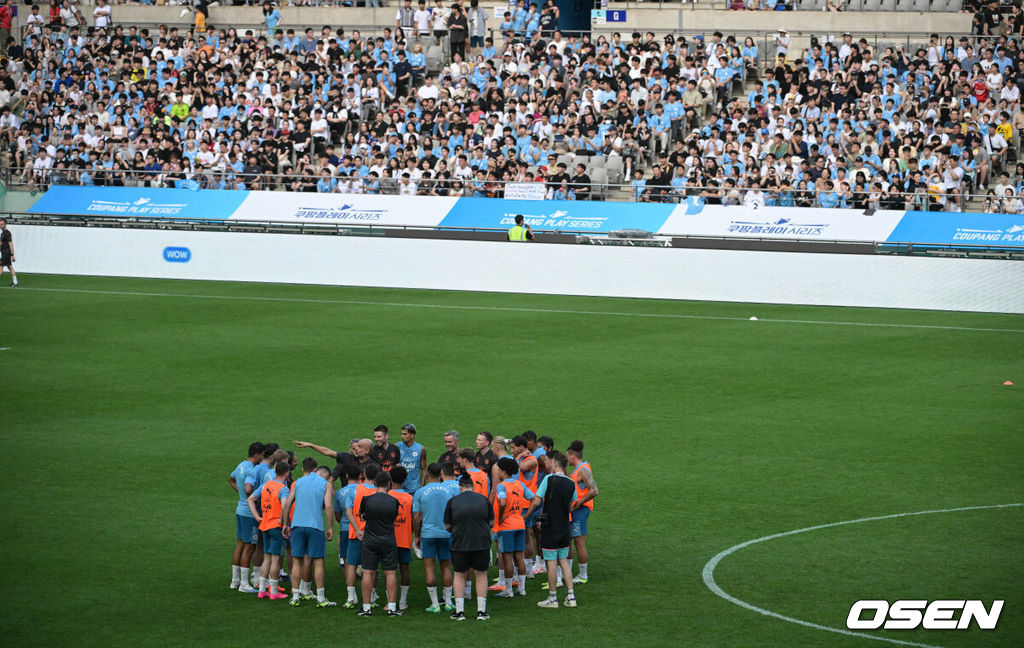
470, 516
379, 510
485, 460
386, 457
5, 240
449, 457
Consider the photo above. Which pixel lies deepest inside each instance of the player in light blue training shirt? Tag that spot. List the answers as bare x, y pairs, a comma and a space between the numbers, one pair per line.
428, 506
413, 458
341, 498
312, 494
244, 480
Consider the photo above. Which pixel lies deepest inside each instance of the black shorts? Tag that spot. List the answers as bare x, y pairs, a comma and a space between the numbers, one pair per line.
5, 259
384, 554
478, 560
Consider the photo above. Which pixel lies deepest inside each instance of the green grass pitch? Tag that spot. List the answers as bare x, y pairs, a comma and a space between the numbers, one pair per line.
123, 413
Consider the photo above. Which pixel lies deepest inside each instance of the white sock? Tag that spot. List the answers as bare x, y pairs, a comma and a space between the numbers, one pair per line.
391, 607
295, 594
366, 607
529, 565
374, 596
405, 593
460, 605
432, 591
515, 572
501, 576
284, 573
553, 595
447, 591
583, 570
273, 586
510, 583
481, 604
236, 574
304, 587
320, 594
522, 583
569, 594
15, 281
244, 576
352, 594
263, 583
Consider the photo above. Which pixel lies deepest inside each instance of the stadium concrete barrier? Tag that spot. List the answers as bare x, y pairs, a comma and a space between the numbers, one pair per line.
660, 273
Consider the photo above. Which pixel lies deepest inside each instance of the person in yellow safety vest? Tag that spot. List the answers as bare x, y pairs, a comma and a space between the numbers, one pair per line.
521, 231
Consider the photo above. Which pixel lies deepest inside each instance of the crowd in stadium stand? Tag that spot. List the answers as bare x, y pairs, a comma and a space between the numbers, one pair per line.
839, 124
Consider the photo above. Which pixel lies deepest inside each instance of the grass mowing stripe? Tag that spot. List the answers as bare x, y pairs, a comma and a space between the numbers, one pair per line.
513, 309
708, 573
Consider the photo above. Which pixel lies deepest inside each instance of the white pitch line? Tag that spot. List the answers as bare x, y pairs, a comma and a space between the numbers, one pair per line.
512, 309
709, 570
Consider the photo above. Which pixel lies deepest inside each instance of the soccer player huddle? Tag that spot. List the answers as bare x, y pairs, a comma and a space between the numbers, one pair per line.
528, 500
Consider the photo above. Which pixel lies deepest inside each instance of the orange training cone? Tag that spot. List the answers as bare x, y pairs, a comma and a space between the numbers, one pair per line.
1008, 383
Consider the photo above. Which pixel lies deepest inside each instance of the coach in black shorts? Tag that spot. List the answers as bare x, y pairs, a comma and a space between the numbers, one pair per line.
469, 516
379, 547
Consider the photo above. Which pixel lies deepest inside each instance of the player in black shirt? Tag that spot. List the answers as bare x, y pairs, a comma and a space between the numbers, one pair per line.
485, 457
384, 453
379, 511
557, 492
469, 516
7, 252
451, 445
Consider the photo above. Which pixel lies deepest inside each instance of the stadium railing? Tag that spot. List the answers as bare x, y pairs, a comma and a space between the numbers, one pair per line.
30, 179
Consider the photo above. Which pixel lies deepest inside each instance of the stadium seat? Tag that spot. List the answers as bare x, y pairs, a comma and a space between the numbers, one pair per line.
597, 161
924, 5
599, 181
614, 167
904, 5
954, 5
872, 5
888, 5
566, 159
805, 5
435, 58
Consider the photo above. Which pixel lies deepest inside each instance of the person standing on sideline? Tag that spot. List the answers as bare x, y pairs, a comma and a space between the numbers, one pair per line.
469, 516
521, 231
265, 505
7, 252
312, 496
243, 479
557, 492
586, 491
378, 513
428, 506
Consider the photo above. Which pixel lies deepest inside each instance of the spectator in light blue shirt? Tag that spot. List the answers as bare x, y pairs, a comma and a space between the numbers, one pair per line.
828, 199
326, 184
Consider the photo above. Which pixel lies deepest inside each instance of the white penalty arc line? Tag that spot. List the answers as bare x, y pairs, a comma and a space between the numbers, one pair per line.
513, 309
709, 570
